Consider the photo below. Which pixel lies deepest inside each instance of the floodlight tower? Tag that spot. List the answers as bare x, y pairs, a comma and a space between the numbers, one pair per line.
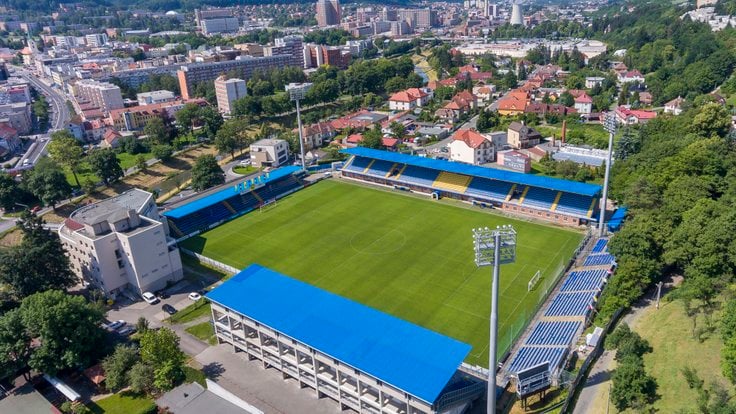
610, 126
297, 92
494, 247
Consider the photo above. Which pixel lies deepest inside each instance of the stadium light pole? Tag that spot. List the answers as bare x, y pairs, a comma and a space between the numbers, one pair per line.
610, 126
297, 92
494, 247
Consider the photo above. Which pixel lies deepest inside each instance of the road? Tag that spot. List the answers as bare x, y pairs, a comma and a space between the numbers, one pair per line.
59, 111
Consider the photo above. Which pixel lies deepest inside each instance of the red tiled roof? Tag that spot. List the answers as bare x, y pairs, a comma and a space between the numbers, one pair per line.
389, 142
73, 225
470, 137
355, 138
583, 98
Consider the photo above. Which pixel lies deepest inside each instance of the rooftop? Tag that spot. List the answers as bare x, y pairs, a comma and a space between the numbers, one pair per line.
477, 171
192, 398
134, 199
414, 359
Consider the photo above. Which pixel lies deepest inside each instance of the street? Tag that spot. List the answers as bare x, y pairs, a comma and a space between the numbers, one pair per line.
59, 111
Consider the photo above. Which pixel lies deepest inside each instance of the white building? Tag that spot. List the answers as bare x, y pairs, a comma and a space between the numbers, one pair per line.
584, 104
471, 147
269, 153
223, 25
103, 95
409, 99
96, 39
227, 91
674, 106
593, 81
121, 243
155, 97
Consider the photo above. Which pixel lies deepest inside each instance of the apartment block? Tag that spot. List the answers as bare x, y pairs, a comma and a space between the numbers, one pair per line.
243, 67
328, 13
103, 95
221, 25
228, 91
288, 45
121, 243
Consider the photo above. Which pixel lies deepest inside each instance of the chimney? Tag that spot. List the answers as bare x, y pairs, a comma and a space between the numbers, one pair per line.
564, 133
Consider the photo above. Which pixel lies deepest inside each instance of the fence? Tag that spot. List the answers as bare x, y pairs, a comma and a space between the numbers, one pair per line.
543, 289
579, 380
212, 262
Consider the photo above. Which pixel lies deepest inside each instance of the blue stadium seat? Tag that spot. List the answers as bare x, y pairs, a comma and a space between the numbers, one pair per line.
380, 168
601, 259
530, 356
574, 204
359, 164
600, 246
553, 333
418, 175
489, 189
539, 198
570, 304
584, 280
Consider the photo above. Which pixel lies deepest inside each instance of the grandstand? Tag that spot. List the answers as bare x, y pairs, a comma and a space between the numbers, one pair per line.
205, 211
563, 319
546, 198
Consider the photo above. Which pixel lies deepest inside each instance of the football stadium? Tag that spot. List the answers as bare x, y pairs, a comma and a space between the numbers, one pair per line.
390, 237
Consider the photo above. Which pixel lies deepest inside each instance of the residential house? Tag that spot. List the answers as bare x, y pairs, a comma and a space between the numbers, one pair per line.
9, 140
543, 109
584, 103
408, 99
593, 81
460, 104
632, 76
627, 116
484, 93
317, 135
646, 98
520, 136
471, 147
111, 139
514, 103
674, 106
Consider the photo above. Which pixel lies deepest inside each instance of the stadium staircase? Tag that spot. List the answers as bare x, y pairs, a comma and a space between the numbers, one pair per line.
391, 170
592, 207
369, 166
176, 230
523, 195
401, 171
453, 182
557, 201
257, 196
460, 391
229, 207
510, 194
380, 168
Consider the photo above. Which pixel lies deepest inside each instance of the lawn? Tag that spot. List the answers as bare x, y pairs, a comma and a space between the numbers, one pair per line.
194, 375
124, 403
244, 170
192, 312
203, 331
404, 255
578, 134
129, 160
669, 332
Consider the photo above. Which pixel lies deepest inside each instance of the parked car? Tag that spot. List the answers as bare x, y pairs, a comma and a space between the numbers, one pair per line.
195, 296
161, 294
150, 298
114, 326
127, 331
168, 309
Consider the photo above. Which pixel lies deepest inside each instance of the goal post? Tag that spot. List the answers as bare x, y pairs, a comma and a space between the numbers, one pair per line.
534, 281
267, 205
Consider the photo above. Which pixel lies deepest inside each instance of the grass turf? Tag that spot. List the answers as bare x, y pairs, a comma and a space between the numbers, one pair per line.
124, 403
404, 255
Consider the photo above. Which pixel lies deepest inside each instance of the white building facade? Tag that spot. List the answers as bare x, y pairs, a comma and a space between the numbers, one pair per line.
227, 91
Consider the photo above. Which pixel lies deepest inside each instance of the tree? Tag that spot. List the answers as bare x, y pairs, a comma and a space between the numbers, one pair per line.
226, 142
157, 131
140, 162
211, 120
104, 162
15, 344
632, 386
160, 350
47, 182
567, 99
487, 120
237, 130
206, 173
728, 320
398, 130
117, 367
162, 152
38, 263
188, 116
141, 377
65, 150
10, 192
712, 120
372, 138
52, 318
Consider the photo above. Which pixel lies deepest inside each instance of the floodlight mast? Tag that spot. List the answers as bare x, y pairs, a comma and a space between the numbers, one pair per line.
297, 92
610, 126
494, 247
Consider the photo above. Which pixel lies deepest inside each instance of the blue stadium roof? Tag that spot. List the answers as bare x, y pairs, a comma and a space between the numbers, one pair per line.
414, 359
225, 193
557, 184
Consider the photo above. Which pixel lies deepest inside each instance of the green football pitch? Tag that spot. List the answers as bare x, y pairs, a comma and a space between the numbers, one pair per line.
410, 257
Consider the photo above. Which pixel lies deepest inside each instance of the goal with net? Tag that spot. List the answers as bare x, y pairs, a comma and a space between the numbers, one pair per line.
534, 281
